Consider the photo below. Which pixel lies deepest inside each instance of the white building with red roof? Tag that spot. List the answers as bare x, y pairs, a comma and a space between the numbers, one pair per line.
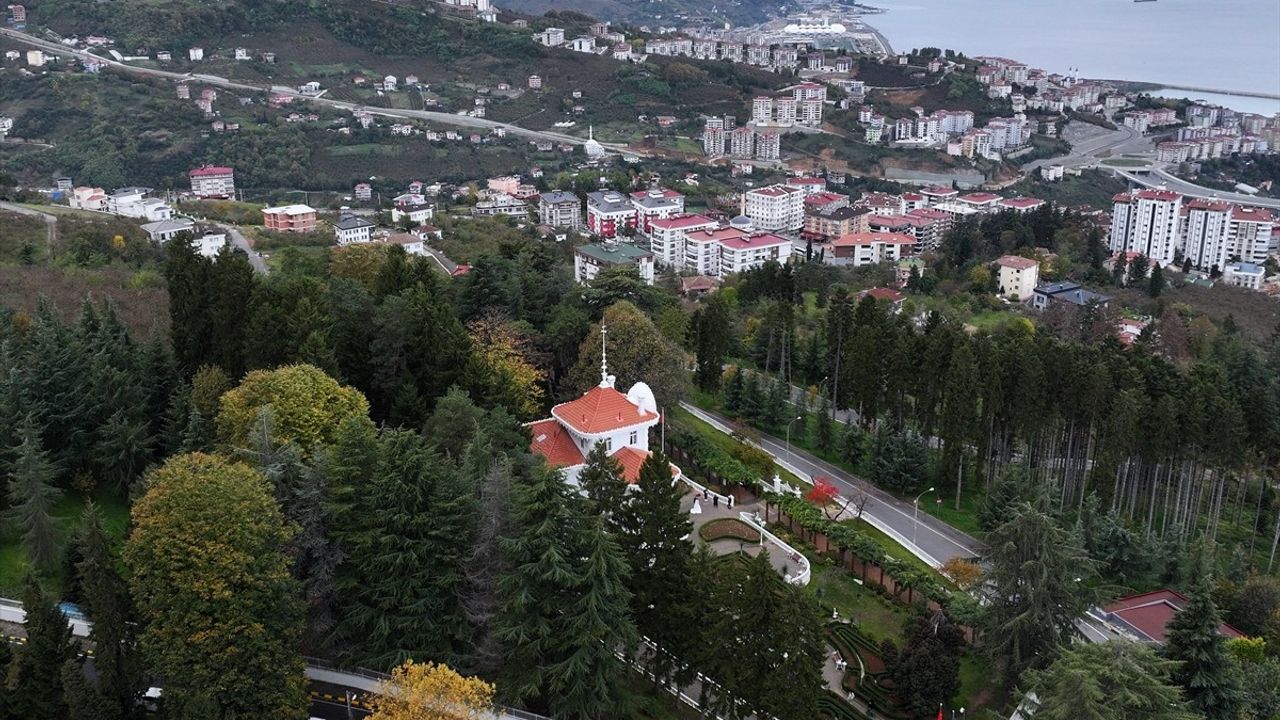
939, 193
656, 203
667, 237
211, 181
739, 254
1020, 204
808, 185
776, 208
870, 248
601, 415
985, 202
1018, 277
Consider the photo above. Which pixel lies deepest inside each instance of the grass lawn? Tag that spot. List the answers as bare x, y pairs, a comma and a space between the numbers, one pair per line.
878, 618
13, 559
726, 442
992, 318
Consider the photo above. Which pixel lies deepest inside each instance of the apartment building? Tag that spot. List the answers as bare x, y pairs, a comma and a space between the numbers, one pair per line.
209, 181
589, 260
289, 218
775, 208
560, 209
1147, 222
655, 204
872, 248
667, 237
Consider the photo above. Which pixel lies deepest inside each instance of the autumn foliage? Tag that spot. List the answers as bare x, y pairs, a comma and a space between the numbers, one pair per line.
963, 573
427, 691
822, 493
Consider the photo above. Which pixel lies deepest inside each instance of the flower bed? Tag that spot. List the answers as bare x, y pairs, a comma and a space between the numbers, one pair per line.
728, 528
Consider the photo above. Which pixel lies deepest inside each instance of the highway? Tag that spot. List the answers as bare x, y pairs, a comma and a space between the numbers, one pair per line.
1089, 150
443, 118
1159, 176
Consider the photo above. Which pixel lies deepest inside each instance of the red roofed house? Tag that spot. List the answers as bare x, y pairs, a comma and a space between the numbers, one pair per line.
1147, 616
1020, 204
601, 415
940, 193
667, 237
858, 249
885, 295
980, 201
209, 181
1018, 277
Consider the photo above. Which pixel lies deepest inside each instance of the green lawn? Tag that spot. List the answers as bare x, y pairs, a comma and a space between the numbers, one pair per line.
13, 559
992, 318
726, 442
876, 616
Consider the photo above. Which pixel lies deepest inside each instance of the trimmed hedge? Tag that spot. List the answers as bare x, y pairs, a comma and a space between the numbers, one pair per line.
730, 528
714, 461
834, 707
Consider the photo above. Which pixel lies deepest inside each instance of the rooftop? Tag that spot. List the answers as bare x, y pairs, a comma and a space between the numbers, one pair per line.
351, 222
681, 222
1016, 262
1022, 202
601, 410
754, 241
612, 252
210, 170
1148, 615
289, 210
773, 191
557, 197
609, 201
871, 238
1072, 293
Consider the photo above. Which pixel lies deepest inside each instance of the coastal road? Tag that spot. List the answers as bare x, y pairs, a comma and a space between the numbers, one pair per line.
50, 221
934, 542
443, 118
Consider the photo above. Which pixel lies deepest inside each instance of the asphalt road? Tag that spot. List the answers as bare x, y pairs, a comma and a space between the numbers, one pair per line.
1159, 176
438, 117
1088, 151
238, 239
932, 540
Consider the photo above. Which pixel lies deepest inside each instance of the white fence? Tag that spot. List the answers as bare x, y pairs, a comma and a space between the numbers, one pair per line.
800, 578
11, 611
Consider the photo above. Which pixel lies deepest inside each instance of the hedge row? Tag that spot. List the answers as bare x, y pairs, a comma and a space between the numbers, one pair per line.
810, 518
834, 707
714, 461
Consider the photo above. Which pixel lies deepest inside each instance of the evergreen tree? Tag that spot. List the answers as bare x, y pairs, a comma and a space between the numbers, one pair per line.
486, 565
1114, 680
539, 585
652, 536
31, 496
106, 599
1207, 673
402, 520
927, 674
1039, 584
35, 677
594, 624
602, 480
959, 411
824, 430
1156, 283
84, 701
715, 337
733, 392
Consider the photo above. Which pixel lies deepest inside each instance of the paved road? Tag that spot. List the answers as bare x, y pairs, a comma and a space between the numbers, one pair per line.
238, 239
935, 542
1089, 150
444, 262
1159, 176
50, 221
439, 117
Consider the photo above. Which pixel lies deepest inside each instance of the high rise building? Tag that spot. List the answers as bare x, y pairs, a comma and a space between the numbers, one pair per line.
1147, 222
713, 137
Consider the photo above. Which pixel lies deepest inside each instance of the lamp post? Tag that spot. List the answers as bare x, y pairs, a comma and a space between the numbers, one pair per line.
915, 514
793, 422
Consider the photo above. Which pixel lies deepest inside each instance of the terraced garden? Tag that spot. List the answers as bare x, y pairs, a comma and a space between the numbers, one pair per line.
867, 675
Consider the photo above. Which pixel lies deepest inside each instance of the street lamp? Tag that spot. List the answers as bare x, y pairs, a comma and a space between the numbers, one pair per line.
793, 422
915, 514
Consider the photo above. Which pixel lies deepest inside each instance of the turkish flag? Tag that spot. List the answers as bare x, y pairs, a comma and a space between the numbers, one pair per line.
940, 712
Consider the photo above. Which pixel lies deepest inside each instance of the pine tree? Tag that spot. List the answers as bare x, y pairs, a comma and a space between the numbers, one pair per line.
1156, 283
539, 585
602, 481
35, 678
1207, 673
486, 564
106, 599
31, 496
733, 391
652, 534
84, 701
825, 430
594, 625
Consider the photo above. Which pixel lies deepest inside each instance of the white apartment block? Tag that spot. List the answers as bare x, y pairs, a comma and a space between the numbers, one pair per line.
213, 182
560, 209
667, 237
1147, 222
350, 229
713, 137
656, 204
776, 208
769, 145
1205, 226
742, 142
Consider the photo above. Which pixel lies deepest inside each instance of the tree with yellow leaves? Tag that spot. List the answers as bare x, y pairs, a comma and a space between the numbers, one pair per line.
427, 691
510, 377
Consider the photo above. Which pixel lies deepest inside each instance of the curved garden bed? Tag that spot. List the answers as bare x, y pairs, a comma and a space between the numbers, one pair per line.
876, 687
728, 529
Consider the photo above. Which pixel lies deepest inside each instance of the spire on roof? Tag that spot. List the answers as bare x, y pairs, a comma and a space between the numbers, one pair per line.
606, 381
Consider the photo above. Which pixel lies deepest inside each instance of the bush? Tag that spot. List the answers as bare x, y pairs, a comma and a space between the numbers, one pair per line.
728, 528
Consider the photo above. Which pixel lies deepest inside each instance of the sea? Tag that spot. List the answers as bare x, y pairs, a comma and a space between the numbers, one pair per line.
1223, 45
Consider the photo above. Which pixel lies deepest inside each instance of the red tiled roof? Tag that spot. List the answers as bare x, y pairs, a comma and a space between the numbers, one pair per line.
1022, 202
758, 240
979, 198
552, 442
1251, 214
1150, 613
1163, 195
631, 459
806, 181
822, 198
1016, 262
601, 410
210, 170
940, 191
680, 221
715, 235
880, 293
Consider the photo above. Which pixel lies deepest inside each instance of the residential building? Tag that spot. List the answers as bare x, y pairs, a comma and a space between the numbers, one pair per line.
560, 210
713, 137
769, 145
1205, 228
363, 192
1250, 276
88, 198
739, 254
655, 204
1018, 277
507, 184
667, 237
888, 296
415, 212
290, 218
610, 214
210, 181
210, 244
742, 142
500, 204
1068, 293
133, 202
35, 58
1020, 204
825, 224
808, 185
775, 208
551, 37
702, 249
535, 82
195, 54
166, 230
870, 248
982, 202
1253, 234
1146, 221
590, 259
350, 229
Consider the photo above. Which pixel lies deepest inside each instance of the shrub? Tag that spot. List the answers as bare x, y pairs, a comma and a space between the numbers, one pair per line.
728, 528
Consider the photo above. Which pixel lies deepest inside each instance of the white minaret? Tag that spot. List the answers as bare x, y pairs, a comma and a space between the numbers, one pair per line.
606, 380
